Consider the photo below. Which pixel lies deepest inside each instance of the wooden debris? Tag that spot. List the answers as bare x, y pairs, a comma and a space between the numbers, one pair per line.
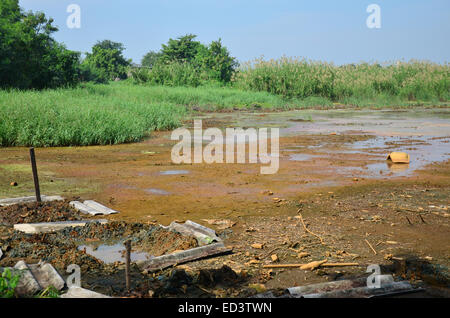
371, 247
300, 265
313, 265
306, 229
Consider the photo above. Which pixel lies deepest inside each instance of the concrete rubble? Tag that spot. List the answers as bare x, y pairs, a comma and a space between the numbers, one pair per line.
44, 198
346, 289
46, 275
33, 228
203, 234
79, 292
164, 261
91, 207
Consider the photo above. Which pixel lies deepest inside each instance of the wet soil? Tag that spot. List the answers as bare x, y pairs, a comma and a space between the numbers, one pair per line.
332, 171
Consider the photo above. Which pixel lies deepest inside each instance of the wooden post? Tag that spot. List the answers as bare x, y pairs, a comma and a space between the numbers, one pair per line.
127, 264
35, 175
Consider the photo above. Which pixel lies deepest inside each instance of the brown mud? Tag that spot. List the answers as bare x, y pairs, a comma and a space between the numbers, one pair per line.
332, 171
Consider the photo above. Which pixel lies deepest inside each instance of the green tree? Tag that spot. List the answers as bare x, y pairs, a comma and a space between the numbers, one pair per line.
106, 62
29, 56
150, 59
183, 49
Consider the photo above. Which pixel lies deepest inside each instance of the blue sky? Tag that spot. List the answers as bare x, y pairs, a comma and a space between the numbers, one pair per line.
325, 30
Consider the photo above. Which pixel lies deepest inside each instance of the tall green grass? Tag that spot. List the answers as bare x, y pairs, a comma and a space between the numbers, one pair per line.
299, 78
99, 114
90, 115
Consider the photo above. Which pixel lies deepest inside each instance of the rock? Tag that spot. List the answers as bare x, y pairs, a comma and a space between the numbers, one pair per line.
1, 253
27, 285
302, 254
274, 258
79, 292
14, 184
46, 275
257, 246
260, 288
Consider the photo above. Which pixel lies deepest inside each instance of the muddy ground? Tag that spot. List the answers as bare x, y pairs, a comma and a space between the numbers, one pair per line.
333, 175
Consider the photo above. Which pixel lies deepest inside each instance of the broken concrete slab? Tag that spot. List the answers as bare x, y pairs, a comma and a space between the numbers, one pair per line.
46, 275
164, 261
27, 285
84, 208
203, 234
79, 292
32, 228
99, 207
300, 291
44, 198
364, 292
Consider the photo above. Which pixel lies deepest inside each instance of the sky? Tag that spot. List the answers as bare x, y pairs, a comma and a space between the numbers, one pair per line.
321, 30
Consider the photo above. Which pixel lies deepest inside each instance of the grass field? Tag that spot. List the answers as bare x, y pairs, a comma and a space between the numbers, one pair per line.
120, 112
401, 81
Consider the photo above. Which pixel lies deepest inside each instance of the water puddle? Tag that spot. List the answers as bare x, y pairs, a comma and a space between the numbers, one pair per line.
173, 172
156, 191
112, 253
301, 157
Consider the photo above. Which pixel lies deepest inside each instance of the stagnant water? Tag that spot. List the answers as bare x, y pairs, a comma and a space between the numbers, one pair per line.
422, 133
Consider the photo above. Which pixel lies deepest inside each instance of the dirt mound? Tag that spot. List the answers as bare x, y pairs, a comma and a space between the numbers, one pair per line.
35, 212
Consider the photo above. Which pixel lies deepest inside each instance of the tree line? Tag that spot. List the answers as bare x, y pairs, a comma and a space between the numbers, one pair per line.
30, 58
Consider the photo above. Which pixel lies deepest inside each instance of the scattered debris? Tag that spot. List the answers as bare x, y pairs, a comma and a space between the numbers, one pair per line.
311, 265
371, 247
257, 246
398, 157
306, 229
221, 224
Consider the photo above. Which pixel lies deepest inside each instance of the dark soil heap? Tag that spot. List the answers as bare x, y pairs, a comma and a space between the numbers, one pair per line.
35, 212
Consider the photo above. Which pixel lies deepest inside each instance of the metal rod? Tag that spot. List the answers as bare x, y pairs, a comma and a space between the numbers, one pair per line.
127, 264
35, 175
